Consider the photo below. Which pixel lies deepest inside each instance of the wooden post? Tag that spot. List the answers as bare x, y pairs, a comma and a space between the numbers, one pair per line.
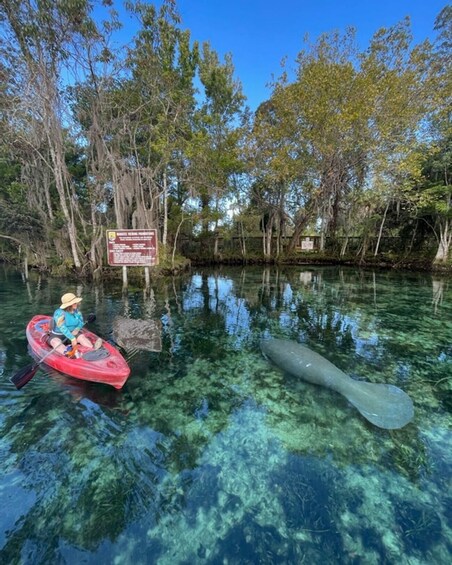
124, 280
26, 264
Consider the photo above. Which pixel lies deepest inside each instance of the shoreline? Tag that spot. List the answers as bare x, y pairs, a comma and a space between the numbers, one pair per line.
186, 264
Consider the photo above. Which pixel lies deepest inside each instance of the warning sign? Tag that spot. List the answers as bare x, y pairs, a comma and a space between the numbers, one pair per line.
132, 248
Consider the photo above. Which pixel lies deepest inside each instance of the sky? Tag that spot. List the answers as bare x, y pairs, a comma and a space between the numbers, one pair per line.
260, 33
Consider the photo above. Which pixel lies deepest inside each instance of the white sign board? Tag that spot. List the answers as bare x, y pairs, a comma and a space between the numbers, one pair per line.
307, 244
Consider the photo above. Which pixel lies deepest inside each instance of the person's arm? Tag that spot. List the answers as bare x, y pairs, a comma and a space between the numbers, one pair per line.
80, 322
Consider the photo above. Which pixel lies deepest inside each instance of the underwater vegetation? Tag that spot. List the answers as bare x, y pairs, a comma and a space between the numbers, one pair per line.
212, 454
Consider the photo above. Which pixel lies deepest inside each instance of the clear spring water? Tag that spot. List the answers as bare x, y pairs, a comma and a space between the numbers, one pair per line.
210, 454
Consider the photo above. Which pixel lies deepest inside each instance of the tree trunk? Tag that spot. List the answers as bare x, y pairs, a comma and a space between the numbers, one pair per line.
377, 246
215, 245
300, 225
175, 241
268, 239
344, 246
165, 210
445, 240
242, 239
363, 250
322, 235
59, 169
95, 252
205, 202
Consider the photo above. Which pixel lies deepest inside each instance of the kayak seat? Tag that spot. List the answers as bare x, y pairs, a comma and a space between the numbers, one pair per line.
43, 326
95, 354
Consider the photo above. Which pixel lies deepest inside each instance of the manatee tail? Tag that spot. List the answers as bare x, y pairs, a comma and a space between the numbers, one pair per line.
385, 406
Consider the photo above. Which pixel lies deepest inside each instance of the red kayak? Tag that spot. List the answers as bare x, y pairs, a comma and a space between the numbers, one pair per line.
105, 365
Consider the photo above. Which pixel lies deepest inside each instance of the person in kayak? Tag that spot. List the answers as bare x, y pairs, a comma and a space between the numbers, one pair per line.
66, 324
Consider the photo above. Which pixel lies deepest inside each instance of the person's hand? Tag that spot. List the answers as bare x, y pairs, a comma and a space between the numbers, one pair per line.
74, 343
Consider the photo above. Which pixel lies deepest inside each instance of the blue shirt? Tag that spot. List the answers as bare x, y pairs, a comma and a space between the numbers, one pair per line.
66, 322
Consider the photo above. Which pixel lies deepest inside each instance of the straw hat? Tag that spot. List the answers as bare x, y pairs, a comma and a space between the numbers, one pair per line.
69, 299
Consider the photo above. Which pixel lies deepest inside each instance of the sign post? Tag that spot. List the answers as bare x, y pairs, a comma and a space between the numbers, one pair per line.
132, 248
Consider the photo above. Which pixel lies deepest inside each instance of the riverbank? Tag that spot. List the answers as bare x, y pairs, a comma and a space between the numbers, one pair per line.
183, 264
167, 266
370, 262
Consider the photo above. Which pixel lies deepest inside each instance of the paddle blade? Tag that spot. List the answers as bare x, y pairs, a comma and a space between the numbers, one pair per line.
385, 406
22, 377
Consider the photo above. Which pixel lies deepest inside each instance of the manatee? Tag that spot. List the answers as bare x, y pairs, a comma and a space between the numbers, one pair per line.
384, 405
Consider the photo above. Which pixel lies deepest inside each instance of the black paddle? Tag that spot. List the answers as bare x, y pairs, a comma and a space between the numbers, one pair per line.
22, 377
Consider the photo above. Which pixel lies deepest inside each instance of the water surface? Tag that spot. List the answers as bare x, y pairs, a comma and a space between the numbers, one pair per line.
210, 454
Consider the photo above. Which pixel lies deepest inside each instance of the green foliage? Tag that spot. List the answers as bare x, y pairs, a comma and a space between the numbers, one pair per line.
437, 199
63, 268
433, 197
16, 218
340, 143
162, 127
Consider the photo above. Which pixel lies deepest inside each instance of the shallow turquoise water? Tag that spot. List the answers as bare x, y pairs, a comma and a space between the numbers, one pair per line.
210, 454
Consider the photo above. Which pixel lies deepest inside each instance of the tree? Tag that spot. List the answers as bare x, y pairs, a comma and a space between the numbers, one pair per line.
399, 106
38, 38
214, 151
163, 66
436, 197
326, 114
270, 163
346, 125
